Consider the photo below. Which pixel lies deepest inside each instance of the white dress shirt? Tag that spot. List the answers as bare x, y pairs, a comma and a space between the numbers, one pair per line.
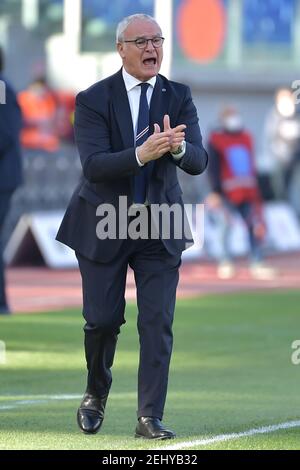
134, 92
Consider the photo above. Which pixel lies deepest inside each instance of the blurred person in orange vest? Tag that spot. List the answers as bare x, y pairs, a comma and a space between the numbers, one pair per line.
233, 179
39, 109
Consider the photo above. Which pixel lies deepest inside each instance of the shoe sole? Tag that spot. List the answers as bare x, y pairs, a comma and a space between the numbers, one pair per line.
163, 438
88, 432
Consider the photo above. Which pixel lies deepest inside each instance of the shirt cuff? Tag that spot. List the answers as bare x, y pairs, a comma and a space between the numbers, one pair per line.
178, 156
138, 160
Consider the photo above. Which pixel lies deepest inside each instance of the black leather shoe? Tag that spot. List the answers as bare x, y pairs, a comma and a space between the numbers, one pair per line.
152, 428
90, 414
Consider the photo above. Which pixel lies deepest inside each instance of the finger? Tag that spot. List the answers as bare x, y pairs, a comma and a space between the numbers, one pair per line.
160, 154
179, 128
161, 135
160, 141
163, 144
178, 140
167, 124
168, 133
163, 149
179, 135
156, 129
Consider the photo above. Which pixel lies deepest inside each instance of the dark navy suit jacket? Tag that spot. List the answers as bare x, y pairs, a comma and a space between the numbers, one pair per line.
105, 139
10, 152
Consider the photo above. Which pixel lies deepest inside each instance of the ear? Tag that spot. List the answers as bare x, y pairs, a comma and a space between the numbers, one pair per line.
120, 47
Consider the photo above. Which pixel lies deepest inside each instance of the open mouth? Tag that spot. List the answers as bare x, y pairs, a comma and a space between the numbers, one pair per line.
149, 61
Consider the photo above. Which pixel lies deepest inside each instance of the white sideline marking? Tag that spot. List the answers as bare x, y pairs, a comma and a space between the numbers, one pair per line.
228, 437
40, 399
17, 402
12, 402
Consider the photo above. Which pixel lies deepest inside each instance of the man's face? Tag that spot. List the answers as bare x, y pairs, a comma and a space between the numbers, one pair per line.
142, 64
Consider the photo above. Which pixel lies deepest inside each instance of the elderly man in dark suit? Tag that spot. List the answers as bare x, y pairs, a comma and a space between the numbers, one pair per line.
133, 130
10, 162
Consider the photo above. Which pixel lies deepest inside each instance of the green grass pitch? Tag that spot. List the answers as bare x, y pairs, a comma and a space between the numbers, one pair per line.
231, 372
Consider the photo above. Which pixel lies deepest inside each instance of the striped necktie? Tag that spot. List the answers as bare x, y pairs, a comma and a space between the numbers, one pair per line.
141, 180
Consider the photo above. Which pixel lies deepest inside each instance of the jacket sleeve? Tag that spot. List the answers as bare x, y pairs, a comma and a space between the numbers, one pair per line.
195, 159
8, 124
92, 136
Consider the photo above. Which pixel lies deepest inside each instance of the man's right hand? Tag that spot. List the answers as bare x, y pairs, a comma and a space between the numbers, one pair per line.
155, 146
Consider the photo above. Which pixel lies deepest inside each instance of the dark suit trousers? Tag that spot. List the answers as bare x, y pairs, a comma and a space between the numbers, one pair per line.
4, 207
156, 277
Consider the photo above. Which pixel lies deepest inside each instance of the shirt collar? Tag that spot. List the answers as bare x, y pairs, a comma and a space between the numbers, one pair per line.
131, 82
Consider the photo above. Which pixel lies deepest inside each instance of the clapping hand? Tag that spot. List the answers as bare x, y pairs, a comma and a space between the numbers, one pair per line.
160, 143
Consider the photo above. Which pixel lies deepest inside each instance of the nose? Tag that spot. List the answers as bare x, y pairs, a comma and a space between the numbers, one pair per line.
149, 46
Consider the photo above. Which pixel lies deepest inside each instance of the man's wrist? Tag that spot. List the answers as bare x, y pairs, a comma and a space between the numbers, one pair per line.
140, 163
180, 151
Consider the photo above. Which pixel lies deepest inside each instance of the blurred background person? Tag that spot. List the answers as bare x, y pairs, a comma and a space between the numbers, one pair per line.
234, 188
282, 140
39, 108
10, 165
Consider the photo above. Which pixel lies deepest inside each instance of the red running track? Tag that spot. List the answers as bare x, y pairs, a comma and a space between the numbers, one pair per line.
42, 289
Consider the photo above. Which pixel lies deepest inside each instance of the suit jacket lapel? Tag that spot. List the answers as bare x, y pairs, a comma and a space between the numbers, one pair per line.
122, 110
159, 103
158, 108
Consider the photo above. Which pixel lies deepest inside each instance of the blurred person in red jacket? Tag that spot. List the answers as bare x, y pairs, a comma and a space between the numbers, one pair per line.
234, 186
39, 109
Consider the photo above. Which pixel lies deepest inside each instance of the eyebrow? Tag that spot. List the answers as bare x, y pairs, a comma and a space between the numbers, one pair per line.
152, 37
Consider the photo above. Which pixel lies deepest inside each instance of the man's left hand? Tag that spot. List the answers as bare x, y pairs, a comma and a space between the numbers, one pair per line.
177, 134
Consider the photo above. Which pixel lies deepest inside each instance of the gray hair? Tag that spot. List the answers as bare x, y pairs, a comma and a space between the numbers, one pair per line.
129, 19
